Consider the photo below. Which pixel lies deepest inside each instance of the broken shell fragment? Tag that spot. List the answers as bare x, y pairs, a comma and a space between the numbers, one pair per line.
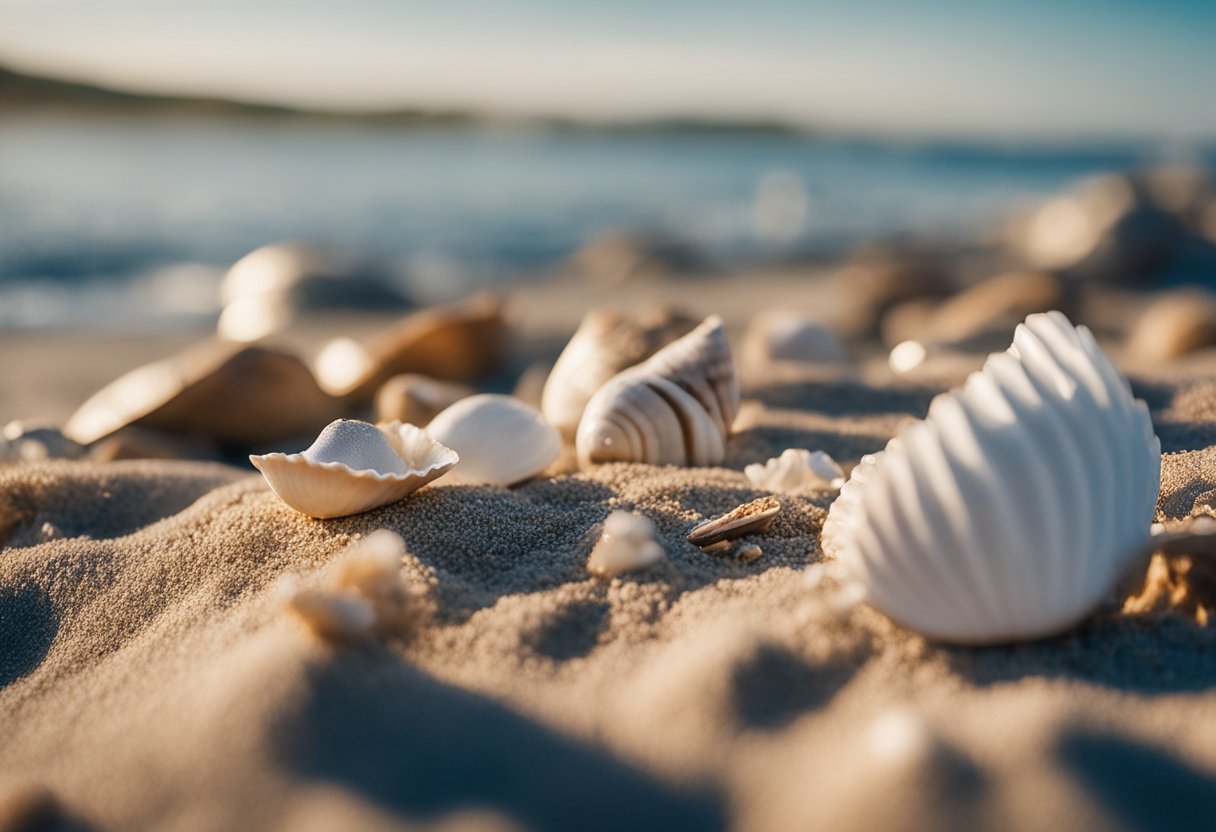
797, 469
335, 616
748, 518
354, 467
676, 408
501, 440
627, 544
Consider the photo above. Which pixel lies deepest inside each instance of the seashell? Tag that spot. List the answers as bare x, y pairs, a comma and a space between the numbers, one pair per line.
627, 544
749, 518
797, 469
605, 343
462, 342
333, 615
1174, 324
354, 467
267, 289
778, 335
501, 440
1014, 507
879, 277
675, 408
36, 442
415, 399
371, 567
238, 396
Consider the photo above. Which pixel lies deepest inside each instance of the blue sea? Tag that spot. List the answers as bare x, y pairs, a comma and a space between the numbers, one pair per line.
130, 223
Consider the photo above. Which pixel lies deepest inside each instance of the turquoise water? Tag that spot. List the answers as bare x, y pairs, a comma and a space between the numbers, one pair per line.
139, 218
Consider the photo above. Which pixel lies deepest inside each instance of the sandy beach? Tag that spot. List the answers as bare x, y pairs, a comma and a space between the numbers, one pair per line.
152, 678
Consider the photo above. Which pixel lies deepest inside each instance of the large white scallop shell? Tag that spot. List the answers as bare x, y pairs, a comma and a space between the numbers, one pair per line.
501, 440
605, 343
1014, 507
676, 408
354, 467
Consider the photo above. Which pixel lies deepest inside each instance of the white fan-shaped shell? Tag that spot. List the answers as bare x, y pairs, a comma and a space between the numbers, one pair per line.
354, 467
500, 439
1014, 507
676, 408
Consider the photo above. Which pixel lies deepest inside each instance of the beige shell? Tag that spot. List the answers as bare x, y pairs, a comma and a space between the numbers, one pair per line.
501, 440
354, 467
234, 395
627, 544
796, 470
416, 399
749, 518
462, 342
605, 343
676, 408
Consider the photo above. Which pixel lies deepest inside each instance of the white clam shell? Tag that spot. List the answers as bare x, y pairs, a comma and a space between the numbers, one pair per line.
627, 544
676, 408
797, 469
1015, 506
354, 467
501, 440
783, 335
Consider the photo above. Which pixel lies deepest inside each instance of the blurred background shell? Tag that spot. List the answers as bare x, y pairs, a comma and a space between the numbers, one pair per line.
1012, 509
606, 342
676, 408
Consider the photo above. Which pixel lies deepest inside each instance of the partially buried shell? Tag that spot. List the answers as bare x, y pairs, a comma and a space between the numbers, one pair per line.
501, 440
676, 408
354, 467
238, 396
605, 343
1014, 507
627, 544
749, 518
797, 469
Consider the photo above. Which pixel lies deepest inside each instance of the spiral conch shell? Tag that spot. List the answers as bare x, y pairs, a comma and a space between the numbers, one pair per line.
605, 343
354, 467
1014, 507
676, 408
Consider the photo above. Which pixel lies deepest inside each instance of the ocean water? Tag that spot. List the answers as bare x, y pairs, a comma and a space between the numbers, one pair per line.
131, 223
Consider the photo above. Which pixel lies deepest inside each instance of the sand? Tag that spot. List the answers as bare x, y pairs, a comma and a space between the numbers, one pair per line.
150, 676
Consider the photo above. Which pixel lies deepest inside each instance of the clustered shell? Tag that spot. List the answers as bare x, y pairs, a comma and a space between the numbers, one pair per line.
1012, 509
675, 408
500, 439
354, 467
796, 470
627, 544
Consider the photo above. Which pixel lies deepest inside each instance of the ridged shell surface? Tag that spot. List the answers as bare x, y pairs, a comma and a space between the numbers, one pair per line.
676, 408
500, 439
354, 467
1012, 509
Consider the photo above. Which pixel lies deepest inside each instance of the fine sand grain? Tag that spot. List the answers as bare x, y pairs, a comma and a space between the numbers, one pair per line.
150, 677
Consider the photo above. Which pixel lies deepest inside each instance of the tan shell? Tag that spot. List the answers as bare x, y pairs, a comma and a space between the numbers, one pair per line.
605, 343
1174, 324
676, 408
416, 399
462, 342
354, 467
748, 518
232, 394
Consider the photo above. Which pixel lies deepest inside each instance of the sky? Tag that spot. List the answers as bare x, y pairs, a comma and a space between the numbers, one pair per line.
1025, 69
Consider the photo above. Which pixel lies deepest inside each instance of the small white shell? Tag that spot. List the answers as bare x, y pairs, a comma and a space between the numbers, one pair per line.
501, 440
782, 335
1014, 507
627, 544
797, 469
676, 408
354, 467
